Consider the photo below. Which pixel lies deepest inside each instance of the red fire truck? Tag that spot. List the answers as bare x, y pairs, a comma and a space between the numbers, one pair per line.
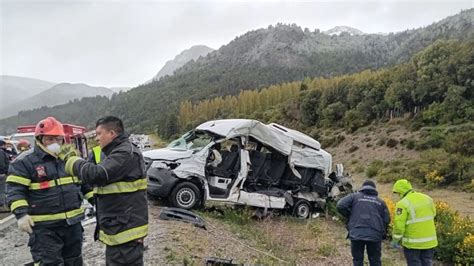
74, 134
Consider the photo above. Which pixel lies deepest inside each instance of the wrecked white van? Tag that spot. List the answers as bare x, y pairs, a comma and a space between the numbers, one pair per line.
245, 162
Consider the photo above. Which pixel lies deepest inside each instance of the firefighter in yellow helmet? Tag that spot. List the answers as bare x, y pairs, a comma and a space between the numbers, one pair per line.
414, 226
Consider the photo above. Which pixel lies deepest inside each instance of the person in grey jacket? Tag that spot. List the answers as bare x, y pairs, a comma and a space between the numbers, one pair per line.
368, 219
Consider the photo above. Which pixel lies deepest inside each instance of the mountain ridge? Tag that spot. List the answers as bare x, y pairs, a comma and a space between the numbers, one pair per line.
56, 95
274, 55
16, 88
193, 53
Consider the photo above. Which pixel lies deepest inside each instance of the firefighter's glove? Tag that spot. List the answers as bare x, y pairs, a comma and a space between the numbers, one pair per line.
25, 223
395, 244
66, 152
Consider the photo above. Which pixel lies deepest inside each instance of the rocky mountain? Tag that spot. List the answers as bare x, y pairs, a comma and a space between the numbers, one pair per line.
14, 89
56, 95
259, 58
338, 30
180, 60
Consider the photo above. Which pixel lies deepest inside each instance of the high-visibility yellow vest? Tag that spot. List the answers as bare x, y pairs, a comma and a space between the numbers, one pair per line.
97, 151
414, 221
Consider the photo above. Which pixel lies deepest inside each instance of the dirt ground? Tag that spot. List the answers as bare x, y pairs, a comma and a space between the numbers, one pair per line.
172, 242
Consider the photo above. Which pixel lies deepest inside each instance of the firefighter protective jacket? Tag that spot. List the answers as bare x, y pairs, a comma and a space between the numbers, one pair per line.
120, 191
38, 185
414, 220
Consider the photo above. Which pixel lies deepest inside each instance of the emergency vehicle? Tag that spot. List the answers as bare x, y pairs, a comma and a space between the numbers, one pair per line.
74, 134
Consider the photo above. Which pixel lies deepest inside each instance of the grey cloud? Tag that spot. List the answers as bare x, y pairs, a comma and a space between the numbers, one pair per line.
118, 43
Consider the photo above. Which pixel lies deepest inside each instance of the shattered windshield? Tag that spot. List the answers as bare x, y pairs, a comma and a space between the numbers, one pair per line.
191, 141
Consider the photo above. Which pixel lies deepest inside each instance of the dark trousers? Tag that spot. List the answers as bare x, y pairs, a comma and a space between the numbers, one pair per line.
60, 245
374, 251
419, 257
130, 253
2, 190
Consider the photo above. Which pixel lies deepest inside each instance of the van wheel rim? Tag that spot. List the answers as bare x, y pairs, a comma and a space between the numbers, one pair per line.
185, 197
302, 210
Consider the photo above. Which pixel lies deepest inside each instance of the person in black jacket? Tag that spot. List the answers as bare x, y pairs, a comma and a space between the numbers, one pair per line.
4, 163
46, 201
120, 181
368, 219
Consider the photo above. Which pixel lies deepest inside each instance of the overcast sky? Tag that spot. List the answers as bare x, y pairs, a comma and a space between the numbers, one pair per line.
125, 43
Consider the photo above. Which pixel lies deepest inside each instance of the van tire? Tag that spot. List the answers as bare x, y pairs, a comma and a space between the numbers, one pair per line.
302, 209
185, 195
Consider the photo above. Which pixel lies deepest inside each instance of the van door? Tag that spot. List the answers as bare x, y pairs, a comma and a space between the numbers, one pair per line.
223, 167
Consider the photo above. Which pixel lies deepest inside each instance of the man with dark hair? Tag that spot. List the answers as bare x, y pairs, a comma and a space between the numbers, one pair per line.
111, 123
368, 219
120, 181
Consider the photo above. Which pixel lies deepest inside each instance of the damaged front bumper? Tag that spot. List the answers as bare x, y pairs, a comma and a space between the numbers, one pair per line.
160, 182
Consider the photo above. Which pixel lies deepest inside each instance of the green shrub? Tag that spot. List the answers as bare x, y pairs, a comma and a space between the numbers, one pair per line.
431, 139
469, 187
332, 141
354, 119
359, 169
460, 142
408, 143
452, 231
353, 148
381, 141
465, 251
386, 175
392, 171
316, 134
373, 168
392, 143
416, 124
452, 167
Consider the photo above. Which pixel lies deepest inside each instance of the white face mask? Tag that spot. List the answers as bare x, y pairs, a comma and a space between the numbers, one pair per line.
54, 148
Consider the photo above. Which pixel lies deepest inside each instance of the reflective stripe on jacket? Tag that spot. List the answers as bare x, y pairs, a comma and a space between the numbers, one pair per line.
39, 186
414, 221
120, 190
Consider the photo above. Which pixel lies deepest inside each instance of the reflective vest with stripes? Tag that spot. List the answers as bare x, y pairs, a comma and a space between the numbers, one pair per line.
414, 221
38, 185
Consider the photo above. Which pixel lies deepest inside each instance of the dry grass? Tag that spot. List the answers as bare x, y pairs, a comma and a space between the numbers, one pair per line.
302, 242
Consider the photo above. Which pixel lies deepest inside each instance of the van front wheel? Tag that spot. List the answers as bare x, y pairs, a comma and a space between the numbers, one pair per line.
185, 195
302, 209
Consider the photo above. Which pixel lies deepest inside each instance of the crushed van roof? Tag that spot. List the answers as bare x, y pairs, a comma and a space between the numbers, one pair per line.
301, 149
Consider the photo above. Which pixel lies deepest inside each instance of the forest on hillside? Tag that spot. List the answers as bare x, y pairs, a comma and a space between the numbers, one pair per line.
436, 83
